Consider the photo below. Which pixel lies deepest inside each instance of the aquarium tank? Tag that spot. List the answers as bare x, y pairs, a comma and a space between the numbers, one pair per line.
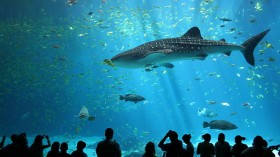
72, 68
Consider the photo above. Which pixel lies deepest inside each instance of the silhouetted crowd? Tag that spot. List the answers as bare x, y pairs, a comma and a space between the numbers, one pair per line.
19, 147
220, 149
110, 148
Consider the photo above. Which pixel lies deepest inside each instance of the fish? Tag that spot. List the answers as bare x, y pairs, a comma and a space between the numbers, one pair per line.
247, 104
190, 46
252, 20
132, 97
151, 67
71, 2
109, 62
233, 113
232, 29
84, 114
220, 125
271, 59
225, 19
267, 45
206, 113
225, 104
56, 46
211, 102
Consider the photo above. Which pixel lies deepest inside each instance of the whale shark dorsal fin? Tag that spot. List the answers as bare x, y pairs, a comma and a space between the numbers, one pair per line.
194, 32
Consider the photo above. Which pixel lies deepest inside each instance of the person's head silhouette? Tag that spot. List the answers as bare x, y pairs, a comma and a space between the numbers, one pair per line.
109, 133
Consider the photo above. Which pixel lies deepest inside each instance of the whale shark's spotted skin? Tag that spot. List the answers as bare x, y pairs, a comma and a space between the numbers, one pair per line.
182, 45
190, 46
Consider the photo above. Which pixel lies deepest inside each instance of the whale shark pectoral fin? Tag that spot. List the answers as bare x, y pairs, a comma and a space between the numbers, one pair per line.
167, 65
227, 53
201, 56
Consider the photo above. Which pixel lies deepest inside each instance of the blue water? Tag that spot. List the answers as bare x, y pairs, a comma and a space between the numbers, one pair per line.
51, 64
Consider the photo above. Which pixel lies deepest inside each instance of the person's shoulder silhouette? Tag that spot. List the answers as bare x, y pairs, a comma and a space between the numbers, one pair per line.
37, 148
63, 150
238, 147
54, 150
222, 147
189, 150
205, 148
80, 150
108, 147
18, 147
257, 150
10, 149
150, 150
174, 148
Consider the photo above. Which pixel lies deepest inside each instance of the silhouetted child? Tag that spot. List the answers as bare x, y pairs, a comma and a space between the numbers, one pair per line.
80, 150
222, 147
205, 148
54, 150
37, 148
108, 147
174, 148
63, 150
189, 151
238, 147
150, 150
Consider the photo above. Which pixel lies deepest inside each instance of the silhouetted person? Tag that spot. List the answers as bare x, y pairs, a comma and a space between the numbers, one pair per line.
80, 150
173, 149
22, 146
54, 150
150, 150
238, 147
37, 148
257, 150
10, 149
205, 148
63, 150
189, 151
108, 147
2, 142
268, 152
18, 147
222, 147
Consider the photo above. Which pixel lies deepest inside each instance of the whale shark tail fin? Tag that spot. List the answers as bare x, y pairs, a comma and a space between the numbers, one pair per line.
250, 45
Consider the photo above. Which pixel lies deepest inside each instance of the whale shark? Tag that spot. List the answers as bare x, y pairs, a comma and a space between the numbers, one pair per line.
190, 46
